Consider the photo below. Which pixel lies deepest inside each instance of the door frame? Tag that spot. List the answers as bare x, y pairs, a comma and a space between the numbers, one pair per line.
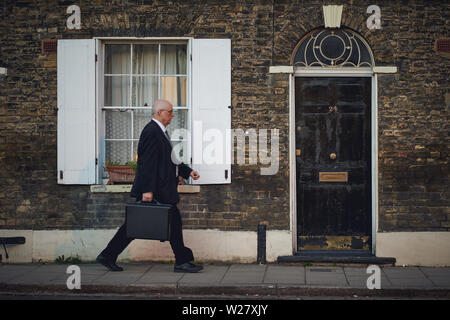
335, 72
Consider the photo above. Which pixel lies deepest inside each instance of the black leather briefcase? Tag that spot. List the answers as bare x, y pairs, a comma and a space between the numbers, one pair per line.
148, 220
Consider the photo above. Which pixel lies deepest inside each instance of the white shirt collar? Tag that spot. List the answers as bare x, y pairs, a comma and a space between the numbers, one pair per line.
163, 128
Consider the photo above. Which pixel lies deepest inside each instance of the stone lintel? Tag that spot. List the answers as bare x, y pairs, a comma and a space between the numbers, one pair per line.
281, 69
388, 69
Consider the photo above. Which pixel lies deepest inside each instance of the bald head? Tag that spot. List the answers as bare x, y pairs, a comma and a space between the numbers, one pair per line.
160, 105
162, 110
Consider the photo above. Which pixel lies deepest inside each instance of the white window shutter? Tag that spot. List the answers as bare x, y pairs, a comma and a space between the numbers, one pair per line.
76, 112
211, 113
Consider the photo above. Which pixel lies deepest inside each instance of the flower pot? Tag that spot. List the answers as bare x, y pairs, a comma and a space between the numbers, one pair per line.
120, 174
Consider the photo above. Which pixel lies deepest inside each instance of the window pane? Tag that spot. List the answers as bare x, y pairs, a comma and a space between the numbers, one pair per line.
145, 59
180, 149
118, 152
141, 118
117, 91
117, 59
173, 89
155, 72
118, 124
135, 147
179, 121
173, 59
145, 91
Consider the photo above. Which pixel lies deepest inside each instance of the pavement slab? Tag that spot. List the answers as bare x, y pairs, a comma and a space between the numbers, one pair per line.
285, 274
244, 274
403, 272
326, 276
209, 275
160, 273
250, 279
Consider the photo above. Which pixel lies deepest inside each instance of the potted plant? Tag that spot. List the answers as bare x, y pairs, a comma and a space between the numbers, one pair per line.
121, 173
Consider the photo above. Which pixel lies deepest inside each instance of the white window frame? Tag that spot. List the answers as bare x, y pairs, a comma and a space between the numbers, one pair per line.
100, 49
208, 91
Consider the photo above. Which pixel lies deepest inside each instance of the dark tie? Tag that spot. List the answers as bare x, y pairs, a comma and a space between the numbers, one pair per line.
168, 137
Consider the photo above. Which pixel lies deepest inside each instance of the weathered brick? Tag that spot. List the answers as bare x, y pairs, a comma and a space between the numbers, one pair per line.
412, 109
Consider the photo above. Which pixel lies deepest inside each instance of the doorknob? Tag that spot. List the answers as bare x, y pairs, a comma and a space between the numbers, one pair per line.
333, 156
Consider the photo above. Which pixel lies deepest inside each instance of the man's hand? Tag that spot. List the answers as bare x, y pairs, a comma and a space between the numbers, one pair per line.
147, 197
194, 174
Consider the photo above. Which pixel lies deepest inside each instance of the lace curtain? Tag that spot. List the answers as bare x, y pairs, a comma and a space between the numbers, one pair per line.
135, 76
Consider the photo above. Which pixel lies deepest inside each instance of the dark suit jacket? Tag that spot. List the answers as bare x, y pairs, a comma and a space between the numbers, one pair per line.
155, 170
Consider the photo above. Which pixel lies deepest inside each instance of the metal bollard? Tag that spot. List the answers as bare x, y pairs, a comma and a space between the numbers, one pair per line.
261, 258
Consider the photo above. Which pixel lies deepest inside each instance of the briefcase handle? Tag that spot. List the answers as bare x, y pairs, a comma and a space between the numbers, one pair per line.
154, 201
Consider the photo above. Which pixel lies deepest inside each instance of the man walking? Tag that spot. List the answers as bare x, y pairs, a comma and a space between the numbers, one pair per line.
156, 179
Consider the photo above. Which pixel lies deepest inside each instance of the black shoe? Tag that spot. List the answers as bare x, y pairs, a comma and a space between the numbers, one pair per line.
111, 265
187, 267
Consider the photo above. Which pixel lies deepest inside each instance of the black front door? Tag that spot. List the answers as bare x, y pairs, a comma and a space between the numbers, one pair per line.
333, 159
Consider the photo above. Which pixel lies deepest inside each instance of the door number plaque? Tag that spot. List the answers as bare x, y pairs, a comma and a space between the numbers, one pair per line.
333, 176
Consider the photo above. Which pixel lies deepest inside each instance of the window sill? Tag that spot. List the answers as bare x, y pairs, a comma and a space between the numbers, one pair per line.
124, 188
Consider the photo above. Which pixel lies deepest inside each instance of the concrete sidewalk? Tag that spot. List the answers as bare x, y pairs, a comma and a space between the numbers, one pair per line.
238, 279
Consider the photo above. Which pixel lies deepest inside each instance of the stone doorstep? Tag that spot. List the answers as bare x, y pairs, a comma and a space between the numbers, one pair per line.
350, 259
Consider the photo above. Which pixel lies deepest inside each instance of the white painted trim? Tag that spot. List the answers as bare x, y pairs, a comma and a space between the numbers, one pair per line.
143, 38
207, 245
292, 165
105, 188
76, 116
385, 69
415, 248
211, 99
189, 102
99, 121
409, 248
332, 16
332, 72
338, 72
281, 69
374, 160
100, 132
126, 188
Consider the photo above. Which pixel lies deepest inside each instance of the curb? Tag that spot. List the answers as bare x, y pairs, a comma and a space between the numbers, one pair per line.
246, 290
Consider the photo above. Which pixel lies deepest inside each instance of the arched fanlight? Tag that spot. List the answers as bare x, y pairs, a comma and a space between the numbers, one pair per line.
333, 48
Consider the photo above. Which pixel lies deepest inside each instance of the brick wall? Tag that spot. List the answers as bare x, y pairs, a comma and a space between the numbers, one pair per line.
413, 111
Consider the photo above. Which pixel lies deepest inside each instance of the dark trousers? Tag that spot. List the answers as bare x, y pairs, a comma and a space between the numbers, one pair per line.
182, 254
